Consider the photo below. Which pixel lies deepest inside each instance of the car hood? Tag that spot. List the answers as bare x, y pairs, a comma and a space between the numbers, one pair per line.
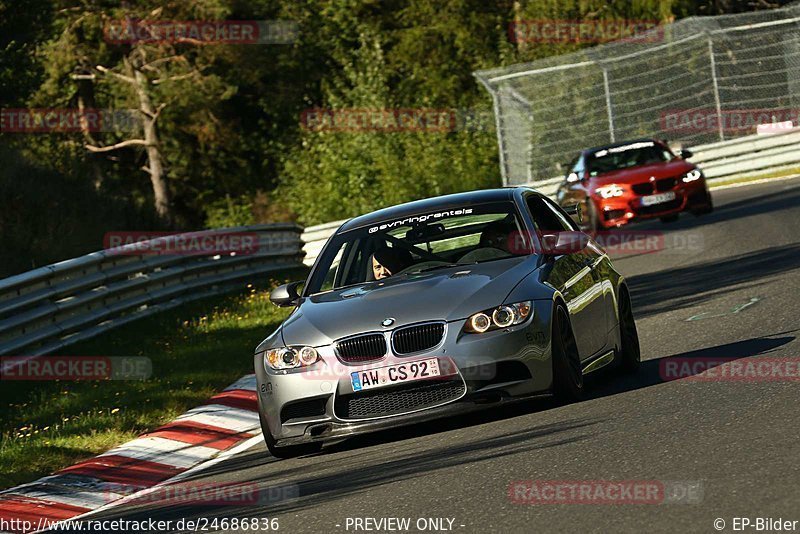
447, 294
633, 175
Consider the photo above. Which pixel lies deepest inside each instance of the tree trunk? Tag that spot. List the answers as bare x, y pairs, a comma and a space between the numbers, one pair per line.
155, 165
86, 102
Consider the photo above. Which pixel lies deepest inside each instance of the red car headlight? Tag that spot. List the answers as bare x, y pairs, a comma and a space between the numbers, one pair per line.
692, 175
610, 191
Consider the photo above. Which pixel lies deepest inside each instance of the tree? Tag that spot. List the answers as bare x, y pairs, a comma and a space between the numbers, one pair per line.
170, 85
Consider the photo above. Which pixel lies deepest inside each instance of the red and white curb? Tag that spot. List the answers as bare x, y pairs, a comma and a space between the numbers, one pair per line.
226, 424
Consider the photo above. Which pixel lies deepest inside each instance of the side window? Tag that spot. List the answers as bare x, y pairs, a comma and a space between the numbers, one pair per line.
330, 276
576, 169
578, 166
544, 217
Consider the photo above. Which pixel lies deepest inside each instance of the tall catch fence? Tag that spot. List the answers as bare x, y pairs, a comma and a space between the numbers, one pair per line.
697, 81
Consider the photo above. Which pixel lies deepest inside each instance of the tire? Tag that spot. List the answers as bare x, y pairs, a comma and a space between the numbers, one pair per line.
704, 209
670, 218
629, 352
291, 451
567, 375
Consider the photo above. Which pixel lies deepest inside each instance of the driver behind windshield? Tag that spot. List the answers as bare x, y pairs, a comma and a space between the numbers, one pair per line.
493, 243
388, 261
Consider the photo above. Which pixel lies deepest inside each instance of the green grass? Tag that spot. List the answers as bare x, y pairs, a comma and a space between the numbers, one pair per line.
753, 177
195, 350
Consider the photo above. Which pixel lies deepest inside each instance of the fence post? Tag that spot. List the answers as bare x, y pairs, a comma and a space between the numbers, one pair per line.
499, 127
608, 105
529, 147
716, 87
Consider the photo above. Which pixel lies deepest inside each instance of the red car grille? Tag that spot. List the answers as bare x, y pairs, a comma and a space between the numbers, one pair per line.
648, 188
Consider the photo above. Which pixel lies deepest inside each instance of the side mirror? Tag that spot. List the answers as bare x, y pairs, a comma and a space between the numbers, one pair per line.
685, 153
285, 295
560, 243
575, 211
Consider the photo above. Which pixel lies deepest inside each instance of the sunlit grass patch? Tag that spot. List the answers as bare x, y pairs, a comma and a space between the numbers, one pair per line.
195, 350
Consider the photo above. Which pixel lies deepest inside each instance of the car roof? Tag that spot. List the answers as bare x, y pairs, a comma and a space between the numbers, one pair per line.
622, 143
455, 200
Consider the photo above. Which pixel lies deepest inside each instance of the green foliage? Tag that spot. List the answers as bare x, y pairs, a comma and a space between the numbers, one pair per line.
229, 129
48, 425
227, 212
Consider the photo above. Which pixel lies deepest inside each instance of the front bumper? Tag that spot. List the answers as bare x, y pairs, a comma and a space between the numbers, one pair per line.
315, 405
618, 211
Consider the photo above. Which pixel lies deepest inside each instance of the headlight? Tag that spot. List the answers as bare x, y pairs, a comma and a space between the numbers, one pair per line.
499, 317
692, 175
610, 191
290, 358
479, 322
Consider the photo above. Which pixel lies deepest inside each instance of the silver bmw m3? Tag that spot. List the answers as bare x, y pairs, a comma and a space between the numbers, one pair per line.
437, 306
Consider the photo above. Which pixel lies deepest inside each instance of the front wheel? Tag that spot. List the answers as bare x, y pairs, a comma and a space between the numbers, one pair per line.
291, 451
567, 373
704, 209
630, 354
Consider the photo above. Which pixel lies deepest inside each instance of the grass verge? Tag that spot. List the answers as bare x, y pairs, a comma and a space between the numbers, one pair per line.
196, 350
782, 173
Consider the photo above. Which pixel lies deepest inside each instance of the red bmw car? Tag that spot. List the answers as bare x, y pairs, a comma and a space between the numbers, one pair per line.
641, 179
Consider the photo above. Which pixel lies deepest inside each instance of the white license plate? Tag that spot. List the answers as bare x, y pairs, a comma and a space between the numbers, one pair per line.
395, 374
660, 198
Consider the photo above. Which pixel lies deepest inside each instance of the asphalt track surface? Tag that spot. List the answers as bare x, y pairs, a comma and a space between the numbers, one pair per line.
738, 442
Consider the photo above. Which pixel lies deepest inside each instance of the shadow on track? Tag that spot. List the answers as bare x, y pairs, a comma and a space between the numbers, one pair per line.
357, 469
738, 209
656, 292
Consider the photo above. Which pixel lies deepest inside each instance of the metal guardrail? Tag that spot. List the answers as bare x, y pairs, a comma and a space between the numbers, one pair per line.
744, 156
749, 155
740, 157
314, 238
51, 307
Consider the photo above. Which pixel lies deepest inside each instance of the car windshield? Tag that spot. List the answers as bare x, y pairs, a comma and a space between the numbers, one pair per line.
420, 243
626, 156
